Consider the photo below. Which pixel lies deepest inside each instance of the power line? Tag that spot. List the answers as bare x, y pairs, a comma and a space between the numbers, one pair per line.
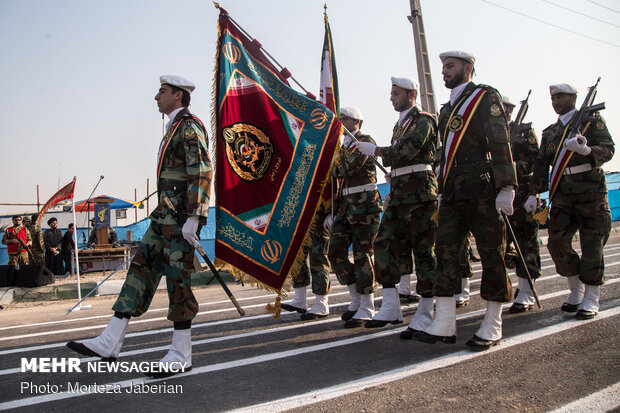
582, 14
605, 7
551, 24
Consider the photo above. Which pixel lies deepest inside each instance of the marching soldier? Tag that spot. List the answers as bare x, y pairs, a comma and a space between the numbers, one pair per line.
317, 273
18, 255
580, 201
413, 200
37, 248
524, 148
476, 183
356, 221
167, 248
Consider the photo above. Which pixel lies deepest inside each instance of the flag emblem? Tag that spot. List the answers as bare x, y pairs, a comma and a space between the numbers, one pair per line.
318, 118
271, 251
248, 150
231, 52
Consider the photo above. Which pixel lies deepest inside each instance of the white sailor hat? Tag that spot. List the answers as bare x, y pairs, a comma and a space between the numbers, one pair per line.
562, 88
352, 112
459, 54
406, 83
507, 101
177, 81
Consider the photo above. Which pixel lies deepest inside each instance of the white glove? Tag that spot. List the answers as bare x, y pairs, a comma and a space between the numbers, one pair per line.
503, 202
189, 231
437, 170
366, 148
530, 204
346, 141
438, 200
388, 179
329, 221
578, 144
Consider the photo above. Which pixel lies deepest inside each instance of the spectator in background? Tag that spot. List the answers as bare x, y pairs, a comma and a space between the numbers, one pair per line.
52, 239
68, 248
92, 236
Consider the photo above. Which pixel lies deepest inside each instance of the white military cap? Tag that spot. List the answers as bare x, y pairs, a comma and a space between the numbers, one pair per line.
352, 112
562, 88
459, 54
406, 83
507, 101
177, 81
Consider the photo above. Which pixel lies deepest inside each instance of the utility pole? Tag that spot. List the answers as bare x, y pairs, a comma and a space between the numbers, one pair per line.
427, 97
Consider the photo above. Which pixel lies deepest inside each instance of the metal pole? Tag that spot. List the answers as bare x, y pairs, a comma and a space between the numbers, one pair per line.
427, 97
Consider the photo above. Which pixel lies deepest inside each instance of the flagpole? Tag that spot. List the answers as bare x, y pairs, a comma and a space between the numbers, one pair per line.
77, 260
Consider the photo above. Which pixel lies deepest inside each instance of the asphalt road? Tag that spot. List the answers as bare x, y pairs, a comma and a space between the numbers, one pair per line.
547, 360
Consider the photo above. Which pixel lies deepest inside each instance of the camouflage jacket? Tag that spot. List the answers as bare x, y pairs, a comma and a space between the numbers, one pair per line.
411, 146
37, 238
599, 140
524, 150
483, 163
356, 169
185, 172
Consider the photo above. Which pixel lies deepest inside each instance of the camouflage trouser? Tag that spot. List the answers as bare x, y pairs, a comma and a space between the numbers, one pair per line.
590, 214
39, 258
464, 265
317, 251
360, 231
404, 225
456, 219
20, 258
163, 251
526, 231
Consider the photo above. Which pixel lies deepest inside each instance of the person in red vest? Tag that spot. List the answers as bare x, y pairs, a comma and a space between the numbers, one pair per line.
17, 253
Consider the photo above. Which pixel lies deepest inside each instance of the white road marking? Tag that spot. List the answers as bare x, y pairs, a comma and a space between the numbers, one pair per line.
602, 401
544, 257
411, 370
333, 391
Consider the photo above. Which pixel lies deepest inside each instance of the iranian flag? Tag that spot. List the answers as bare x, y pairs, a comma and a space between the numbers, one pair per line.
329, 77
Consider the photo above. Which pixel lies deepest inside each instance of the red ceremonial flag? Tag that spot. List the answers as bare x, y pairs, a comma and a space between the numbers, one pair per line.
273, 152
66, 192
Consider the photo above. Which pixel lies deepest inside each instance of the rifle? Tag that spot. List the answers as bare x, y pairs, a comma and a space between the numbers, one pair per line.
585, 112
518, 126
201, 251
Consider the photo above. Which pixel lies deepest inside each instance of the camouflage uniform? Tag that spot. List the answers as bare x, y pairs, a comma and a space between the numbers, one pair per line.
579, 203
185, 178
524, 151
356, 219
482, 165
20, 257
317, 250
413, 200
37, 247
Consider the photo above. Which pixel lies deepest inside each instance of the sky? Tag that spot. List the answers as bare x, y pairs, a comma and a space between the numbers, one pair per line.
79, 76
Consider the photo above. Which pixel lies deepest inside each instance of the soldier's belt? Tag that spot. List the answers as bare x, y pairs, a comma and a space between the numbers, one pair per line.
178, 186
410, 169
471, 158
359, 188
577, 169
